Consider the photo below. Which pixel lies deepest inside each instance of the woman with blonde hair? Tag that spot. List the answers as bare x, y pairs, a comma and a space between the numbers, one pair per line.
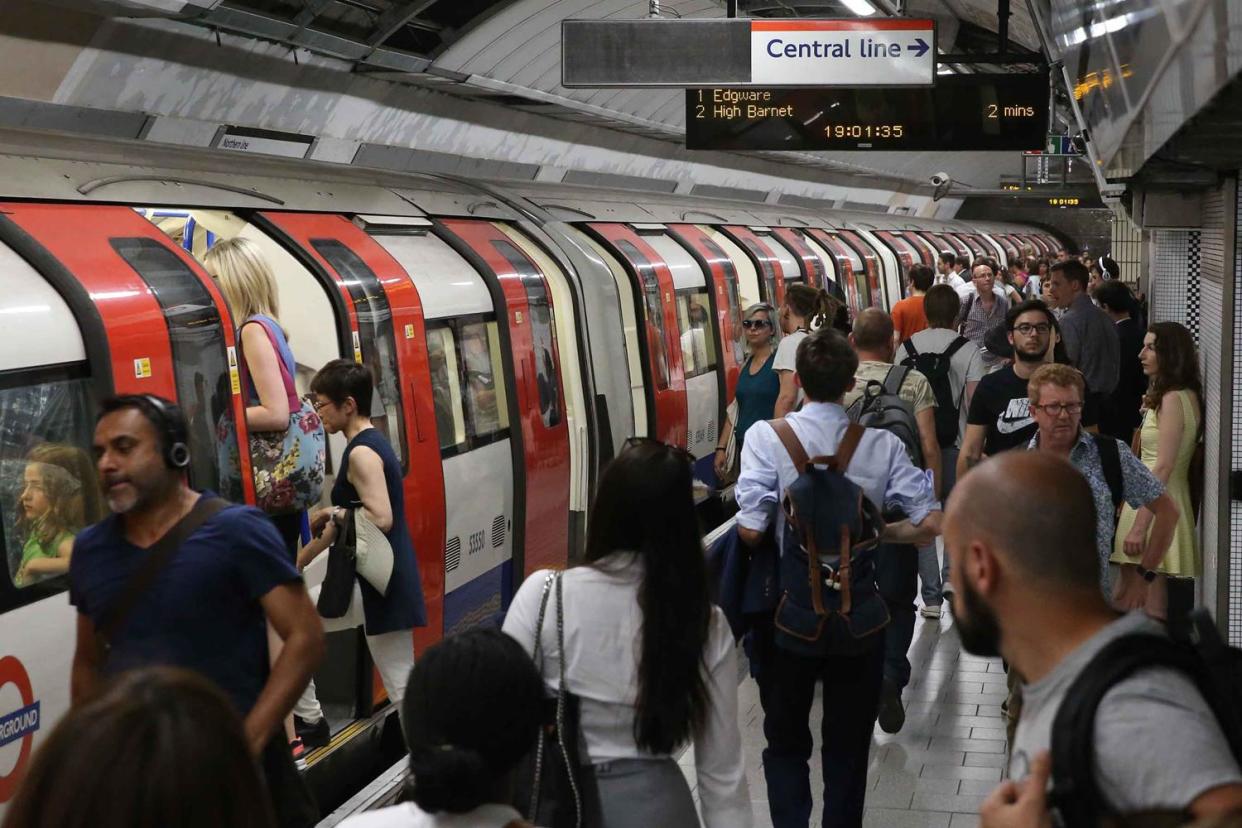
285, 434
249, 288
1172, 421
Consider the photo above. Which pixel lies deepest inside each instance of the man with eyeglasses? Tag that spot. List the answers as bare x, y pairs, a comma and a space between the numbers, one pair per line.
1056, 395
984, 305
999, 416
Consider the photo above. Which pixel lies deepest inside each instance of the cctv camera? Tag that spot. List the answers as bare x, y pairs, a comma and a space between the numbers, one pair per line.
941, 178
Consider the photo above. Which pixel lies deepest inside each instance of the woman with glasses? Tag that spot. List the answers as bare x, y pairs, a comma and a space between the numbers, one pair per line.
368, 480
647, 654
1172, 421
758, 386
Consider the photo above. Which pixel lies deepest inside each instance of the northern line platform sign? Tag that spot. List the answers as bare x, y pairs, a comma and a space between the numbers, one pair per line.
738, 52
960, 113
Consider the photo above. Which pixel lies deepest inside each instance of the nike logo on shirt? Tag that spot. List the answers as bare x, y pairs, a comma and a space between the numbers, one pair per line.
1016, 416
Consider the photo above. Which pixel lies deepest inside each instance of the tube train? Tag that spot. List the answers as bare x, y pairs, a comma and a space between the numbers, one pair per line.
518, 333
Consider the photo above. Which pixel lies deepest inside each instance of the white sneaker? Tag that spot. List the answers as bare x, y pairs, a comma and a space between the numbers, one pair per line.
930, 611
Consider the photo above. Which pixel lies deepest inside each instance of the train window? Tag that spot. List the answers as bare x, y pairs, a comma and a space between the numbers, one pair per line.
657, 341
487, 413
377, 339
196, 332
542, 331
698, 334
446, 386
48, 490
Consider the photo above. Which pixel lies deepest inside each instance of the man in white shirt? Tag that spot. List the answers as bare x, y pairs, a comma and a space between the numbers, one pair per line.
826, 365
946, 271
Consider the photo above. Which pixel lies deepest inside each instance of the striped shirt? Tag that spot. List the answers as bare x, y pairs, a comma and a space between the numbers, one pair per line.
976, 320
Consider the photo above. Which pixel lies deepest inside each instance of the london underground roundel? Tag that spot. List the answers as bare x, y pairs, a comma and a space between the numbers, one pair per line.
17, 725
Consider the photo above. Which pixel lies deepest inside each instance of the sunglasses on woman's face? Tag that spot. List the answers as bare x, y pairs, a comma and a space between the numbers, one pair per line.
756, 324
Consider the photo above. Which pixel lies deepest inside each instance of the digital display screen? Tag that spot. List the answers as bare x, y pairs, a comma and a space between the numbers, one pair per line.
959, 113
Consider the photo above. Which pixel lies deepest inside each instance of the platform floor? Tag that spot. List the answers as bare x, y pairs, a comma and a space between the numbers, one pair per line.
934, 773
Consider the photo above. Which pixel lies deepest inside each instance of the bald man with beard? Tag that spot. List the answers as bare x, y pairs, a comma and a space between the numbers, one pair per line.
1028, 590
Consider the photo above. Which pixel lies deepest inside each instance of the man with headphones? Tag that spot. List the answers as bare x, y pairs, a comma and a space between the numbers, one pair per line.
180, 578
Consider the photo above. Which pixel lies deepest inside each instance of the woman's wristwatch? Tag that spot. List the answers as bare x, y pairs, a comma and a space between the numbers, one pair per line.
720, 448
1147, 575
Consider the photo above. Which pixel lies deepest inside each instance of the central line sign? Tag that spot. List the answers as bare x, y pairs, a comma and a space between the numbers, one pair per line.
895, 51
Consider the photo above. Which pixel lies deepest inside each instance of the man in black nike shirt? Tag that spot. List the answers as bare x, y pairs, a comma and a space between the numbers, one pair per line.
999, 417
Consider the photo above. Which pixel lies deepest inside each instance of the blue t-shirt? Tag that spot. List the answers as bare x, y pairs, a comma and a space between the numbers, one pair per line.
202, 612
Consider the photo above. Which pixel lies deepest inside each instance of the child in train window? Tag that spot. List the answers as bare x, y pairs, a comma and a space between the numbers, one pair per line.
51, 509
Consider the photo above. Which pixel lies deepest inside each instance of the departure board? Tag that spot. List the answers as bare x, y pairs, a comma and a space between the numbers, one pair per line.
959, 113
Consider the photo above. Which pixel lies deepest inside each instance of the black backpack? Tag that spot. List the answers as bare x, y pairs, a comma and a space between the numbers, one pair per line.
829, 602
1110, 460
881, 406
1203, 656
937, 368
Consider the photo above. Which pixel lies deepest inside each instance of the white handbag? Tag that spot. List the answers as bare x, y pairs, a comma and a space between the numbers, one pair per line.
374, 560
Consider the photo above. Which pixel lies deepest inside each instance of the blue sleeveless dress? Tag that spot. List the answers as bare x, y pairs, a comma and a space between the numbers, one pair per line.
403, 608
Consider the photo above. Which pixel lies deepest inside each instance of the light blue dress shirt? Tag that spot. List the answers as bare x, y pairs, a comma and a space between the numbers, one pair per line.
880, 466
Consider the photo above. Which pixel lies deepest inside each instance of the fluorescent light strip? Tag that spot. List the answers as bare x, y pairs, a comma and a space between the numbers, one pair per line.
860, 7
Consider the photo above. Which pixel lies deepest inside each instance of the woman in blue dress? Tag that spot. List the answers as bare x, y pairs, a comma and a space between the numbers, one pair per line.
370, 475
758, 385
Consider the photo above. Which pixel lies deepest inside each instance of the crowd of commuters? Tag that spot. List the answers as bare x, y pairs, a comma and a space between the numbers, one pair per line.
174, 679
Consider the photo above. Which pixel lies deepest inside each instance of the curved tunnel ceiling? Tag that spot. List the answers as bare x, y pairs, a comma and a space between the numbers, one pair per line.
508, 51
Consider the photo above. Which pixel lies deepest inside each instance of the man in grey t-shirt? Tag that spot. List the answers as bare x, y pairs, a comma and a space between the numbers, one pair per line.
1027, 588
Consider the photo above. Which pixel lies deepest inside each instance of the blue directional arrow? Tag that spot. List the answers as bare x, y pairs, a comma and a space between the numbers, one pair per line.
920, 47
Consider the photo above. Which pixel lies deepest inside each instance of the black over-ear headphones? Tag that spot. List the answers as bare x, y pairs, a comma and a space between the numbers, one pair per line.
170, 423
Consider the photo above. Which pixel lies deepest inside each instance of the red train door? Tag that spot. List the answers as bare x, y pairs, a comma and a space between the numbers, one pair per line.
720, 269
771, 280
386, 317
812, 268
853, 279
667, 413
149, 313
543, 486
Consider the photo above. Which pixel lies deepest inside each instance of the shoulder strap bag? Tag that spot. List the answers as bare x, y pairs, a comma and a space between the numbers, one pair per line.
556, 795
159, 555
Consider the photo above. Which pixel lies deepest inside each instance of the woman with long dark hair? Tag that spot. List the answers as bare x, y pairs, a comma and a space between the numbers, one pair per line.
1173, 414
649, 657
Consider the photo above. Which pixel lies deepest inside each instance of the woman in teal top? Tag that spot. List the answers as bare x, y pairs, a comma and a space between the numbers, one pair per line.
758, 385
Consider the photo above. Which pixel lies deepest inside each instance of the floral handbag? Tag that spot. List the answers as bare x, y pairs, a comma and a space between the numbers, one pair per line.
288, 465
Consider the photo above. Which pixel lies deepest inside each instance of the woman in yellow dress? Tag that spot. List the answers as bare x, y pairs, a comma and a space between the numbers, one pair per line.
1171, 424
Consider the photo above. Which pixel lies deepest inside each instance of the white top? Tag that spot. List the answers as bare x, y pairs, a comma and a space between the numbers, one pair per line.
968, 290
951, 279
409, 815
603, 643
786, 358
787, 351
